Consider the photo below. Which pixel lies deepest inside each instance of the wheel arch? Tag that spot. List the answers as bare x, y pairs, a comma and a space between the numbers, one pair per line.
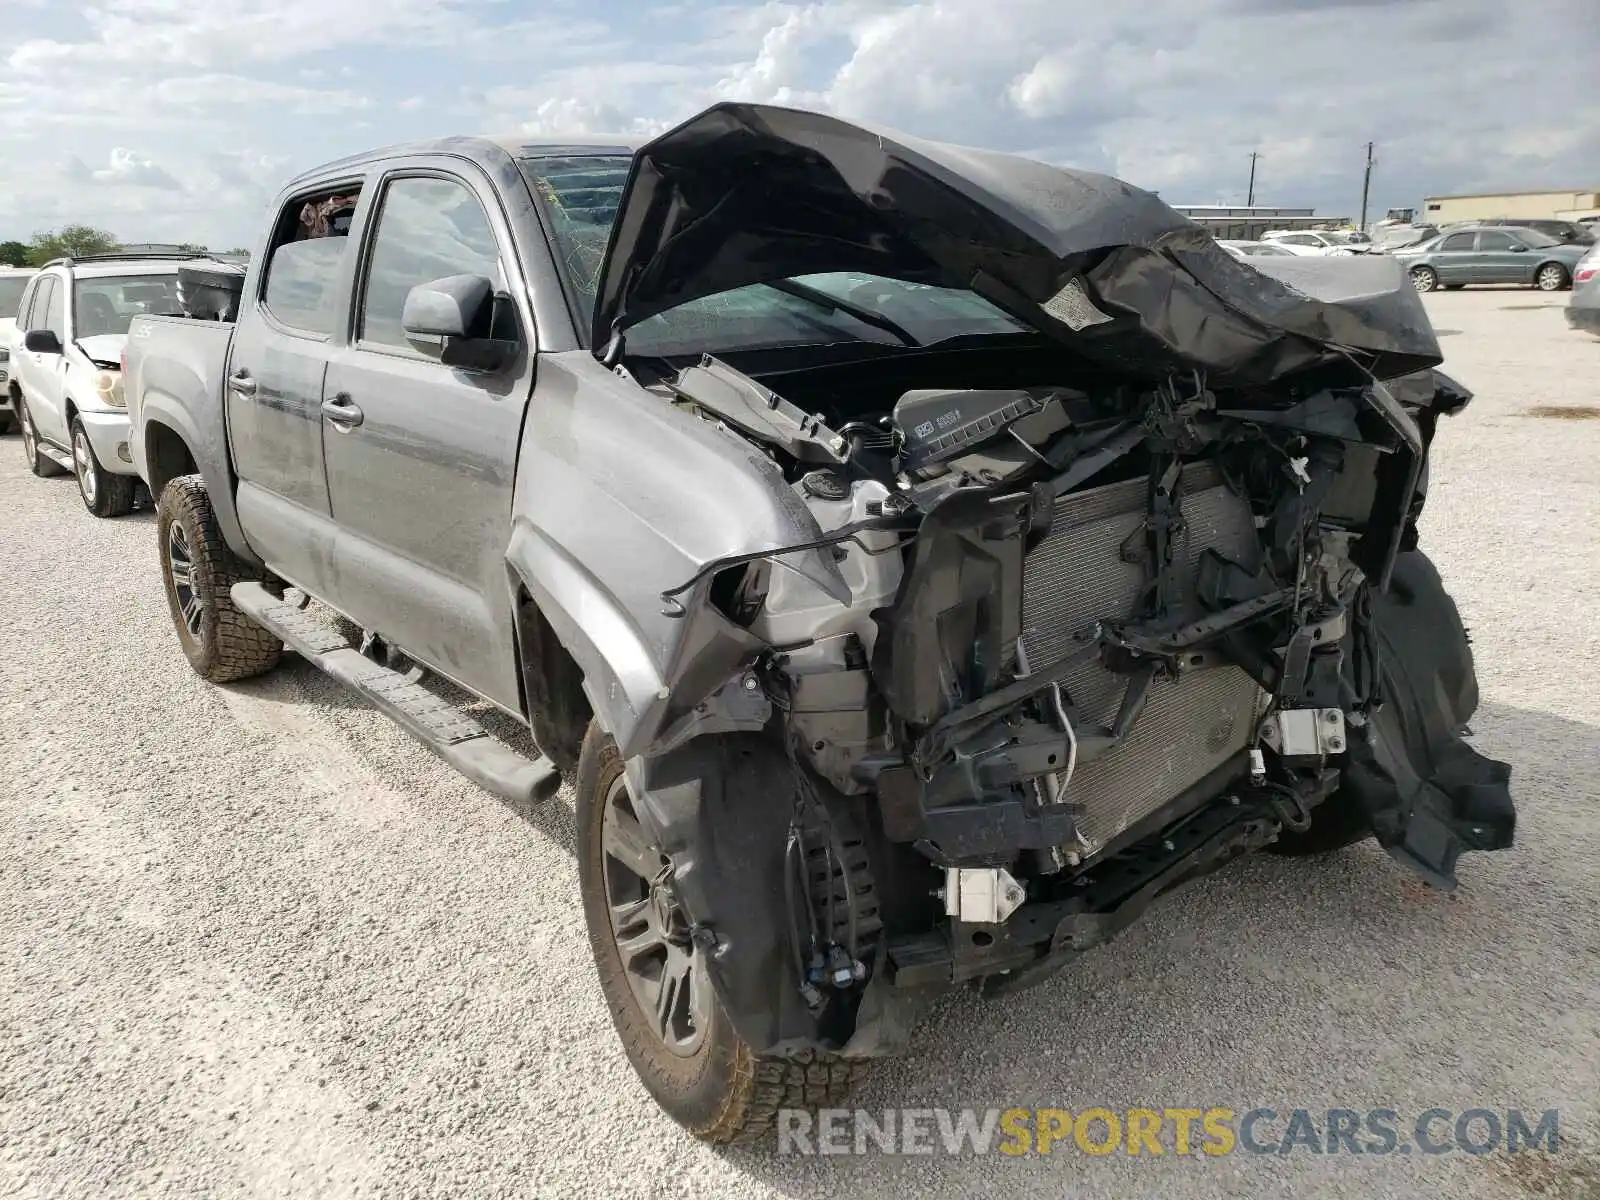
1566, 272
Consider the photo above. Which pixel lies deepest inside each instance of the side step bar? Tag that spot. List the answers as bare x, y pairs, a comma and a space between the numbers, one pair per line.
60, 457
442, 728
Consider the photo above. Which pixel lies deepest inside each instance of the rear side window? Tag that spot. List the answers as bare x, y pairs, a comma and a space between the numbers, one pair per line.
301, 282
1457, 241
306, 260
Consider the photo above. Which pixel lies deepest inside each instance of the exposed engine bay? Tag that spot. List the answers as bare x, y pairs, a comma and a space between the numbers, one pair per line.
1086, 644
1082, 613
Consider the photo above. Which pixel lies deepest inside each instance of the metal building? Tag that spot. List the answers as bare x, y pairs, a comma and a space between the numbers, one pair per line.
1560, 206
1249, 222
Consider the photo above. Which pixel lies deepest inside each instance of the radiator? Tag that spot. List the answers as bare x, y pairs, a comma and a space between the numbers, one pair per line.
1190, 725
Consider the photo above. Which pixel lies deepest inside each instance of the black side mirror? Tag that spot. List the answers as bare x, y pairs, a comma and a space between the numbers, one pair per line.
41, 341
463, 313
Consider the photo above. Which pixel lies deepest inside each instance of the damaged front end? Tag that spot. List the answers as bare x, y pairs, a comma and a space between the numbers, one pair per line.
1102, 606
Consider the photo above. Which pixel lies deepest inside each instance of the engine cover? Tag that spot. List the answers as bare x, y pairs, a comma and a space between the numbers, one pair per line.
1190, 725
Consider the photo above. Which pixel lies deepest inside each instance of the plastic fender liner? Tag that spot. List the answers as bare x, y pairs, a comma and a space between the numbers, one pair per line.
1428, 794
720, 808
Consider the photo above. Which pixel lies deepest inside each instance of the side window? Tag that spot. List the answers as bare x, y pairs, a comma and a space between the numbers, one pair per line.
428, 229
1493, 239
53, 317
300, 283
1457, 241
307, 257
30, 303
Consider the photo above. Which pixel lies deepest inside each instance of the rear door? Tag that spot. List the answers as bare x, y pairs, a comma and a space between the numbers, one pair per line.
274, 396
1502, 257
422, 456
1456, 259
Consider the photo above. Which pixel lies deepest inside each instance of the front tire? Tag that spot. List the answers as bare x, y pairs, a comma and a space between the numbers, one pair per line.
1424, 279
104, 494
1550, 277
672, 1026
199, 570
44, 468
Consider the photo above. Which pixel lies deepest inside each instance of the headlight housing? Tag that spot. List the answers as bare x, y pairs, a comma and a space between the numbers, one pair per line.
108, 386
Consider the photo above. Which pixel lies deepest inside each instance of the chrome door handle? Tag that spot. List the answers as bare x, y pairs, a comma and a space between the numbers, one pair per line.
341, 410
241, 382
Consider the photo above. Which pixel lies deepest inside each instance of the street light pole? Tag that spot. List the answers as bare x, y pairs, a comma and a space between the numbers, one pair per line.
1366, 186
1250, 196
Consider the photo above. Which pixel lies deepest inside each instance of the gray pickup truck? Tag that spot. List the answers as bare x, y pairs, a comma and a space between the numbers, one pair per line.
918, 559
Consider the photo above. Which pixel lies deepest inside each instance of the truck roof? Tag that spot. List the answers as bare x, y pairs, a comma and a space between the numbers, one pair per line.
486, 150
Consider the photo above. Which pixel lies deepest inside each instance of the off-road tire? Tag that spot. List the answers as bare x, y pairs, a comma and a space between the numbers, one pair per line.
725, 1092
44, 468
113, 494
229, 645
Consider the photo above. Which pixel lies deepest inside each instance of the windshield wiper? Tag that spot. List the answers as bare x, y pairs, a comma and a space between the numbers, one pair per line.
866, 316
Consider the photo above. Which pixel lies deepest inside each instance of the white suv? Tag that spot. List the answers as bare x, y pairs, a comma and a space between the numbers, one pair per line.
1318, 242
66, 368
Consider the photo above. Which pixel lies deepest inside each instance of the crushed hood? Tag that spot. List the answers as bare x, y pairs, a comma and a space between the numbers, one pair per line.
104, 347
748, 193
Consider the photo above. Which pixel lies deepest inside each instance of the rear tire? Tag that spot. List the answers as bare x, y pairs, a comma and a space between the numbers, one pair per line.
198, 569
1424, 279
104, 494
712, 1083
41, 466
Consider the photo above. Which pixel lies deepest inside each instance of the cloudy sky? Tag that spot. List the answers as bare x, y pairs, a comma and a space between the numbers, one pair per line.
175, 120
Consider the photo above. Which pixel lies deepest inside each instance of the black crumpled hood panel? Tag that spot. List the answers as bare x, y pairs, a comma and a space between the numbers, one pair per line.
747, 193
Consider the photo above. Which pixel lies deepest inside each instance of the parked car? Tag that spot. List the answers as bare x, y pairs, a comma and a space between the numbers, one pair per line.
1485, 254
1318, 242
1246, 249
899, 569
1388, 238
1566, 232
1583, 308
66, 384
13, 282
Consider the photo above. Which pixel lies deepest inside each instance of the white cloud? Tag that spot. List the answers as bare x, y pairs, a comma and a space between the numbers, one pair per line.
1170, 94
127, 168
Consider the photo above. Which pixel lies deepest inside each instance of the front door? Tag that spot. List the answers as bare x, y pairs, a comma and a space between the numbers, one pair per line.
43, 377
1502, 257
422, 456
274, 403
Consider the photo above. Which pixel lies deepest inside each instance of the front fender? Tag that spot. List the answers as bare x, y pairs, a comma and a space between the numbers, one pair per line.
620, 496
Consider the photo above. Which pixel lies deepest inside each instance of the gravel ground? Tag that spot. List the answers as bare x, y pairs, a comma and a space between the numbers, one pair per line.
256, 942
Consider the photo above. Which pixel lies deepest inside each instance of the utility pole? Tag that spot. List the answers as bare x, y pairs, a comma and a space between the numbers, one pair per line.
1250, 197
1366, 185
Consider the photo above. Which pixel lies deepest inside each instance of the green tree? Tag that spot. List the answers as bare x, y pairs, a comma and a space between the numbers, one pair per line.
73, 241
13, 254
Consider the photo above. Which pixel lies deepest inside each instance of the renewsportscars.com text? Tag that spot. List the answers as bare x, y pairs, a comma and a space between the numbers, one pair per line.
1160, 1131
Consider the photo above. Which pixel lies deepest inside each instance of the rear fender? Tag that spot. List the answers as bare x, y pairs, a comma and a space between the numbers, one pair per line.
161, 411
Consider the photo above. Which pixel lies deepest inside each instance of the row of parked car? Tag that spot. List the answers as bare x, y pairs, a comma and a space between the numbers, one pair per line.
1492, 252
